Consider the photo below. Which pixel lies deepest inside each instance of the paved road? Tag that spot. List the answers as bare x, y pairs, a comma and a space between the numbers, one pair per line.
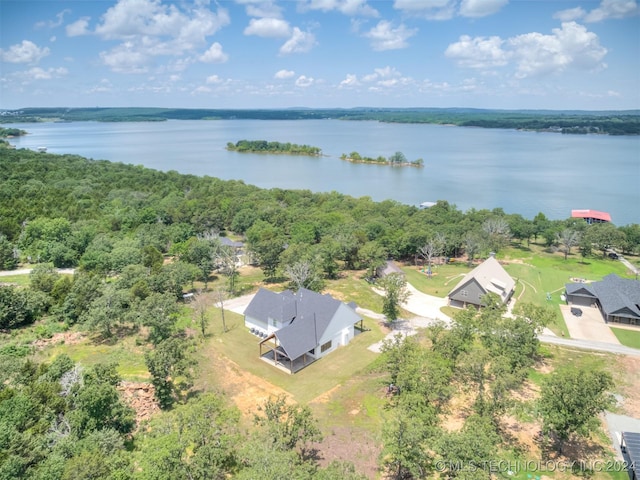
590, 345
26, 271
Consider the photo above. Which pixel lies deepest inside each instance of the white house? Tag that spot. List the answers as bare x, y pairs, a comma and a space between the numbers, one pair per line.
299, 328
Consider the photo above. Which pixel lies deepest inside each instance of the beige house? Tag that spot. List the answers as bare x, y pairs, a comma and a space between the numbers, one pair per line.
488, 277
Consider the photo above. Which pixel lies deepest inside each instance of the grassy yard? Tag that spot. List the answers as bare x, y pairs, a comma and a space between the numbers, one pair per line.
629, 338
241, 347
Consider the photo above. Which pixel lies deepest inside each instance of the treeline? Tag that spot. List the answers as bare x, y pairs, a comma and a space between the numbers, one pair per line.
397, 159
606, 122
101, 216
262, 146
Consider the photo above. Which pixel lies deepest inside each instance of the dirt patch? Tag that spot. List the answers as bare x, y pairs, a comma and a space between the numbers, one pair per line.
460, 407
68, 338
246, 390
141, 397
352, 445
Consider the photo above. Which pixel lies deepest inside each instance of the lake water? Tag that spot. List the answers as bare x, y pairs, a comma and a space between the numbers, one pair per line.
521, 172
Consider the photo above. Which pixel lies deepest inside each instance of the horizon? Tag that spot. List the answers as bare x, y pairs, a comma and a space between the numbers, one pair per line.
630, 111
509, 55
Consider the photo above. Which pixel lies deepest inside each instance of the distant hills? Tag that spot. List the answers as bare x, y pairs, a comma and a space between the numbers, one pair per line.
625, 122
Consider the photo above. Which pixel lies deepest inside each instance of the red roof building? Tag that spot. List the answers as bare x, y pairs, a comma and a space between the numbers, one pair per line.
591, 216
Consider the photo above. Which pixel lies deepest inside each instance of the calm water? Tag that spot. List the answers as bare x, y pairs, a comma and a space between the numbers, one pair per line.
522, 172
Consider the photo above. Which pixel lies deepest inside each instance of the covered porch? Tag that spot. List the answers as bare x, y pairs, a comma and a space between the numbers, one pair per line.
275, 355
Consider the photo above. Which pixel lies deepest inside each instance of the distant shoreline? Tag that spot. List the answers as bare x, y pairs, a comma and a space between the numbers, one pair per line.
614, 123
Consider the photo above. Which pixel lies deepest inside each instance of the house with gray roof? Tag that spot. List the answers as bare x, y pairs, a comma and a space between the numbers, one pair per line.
299, 328
488, 277
617, 298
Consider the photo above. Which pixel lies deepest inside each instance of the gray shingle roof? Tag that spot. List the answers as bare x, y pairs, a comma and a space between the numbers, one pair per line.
632, 444
306, 315
619, 296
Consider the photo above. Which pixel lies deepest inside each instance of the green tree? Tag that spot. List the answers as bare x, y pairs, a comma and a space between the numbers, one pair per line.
396, 293
170, 366
198, 440
404, 453
43, 277
266, 243
288, 426
571, 399
8, 258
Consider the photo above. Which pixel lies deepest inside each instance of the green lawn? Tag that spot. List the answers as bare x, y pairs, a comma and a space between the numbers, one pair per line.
629, 338
240, 346
128, 356
21, 280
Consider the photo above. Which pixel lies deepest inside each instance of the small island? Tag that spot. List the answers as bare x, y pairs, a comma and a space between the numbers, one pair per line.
398, 159
262, 146
11, 132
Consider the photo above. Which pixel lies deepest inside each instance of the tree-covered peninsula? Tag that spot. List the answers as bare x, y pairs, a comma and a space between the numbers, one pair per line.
262, 146
398, 159
11, 132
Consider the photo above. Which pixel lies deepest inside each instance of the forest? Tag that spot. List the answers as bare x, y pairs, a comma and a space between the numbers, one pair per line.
139, 239
568, 122
262, 146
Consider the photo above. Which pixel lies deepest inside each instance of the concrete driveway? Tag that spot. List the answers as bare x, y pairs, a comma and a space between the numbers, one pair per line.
589, 326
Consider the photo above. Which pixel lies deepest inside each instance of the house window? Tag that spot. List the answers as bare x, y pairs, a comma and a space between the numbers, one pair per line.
325, 347
463, 293
273, 322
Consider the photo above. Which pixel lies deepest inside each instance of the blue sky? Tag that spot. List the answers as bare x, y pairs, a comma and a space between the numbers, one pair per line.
507, 54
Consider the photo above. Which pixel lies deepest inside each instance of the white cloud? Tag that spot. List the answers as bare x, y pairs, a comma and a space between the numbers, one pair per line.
478, 52
213, 79
569, 46
350, 81
214, 54
569, 14
480, 8
300, 42
612, 9
126, 59
447, 9
148, 28
304, 81
201, 89
431, 9
79, 27
37, 73
54, 23
261, 8
103, 86
268, 27
347, 7
284, 74
384, 36
25, 52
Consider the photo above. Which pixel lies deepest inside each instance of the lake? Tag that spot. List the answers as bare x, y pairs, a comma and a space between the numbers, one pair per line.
521, 172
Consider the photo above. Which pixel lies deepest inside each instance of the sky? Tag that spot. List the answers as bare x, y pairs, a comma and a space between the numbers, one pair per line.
502, 54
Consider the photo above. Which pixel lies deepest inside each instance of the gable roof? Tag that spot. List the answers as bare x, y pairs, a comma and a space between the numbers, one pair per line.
267, 304
580, 289
619, 296
306, 315
490, 276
